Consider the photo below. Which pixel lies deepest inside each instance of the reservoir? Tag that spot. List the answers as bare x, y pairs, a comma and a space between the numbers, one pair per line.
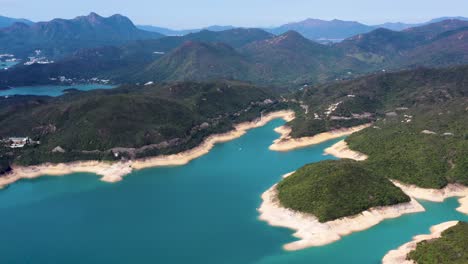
51, 90
203, 212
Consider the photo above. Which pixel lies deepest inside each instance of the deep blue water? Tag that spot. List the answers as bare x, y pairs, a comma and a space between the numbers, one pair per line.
204, 212
51, 90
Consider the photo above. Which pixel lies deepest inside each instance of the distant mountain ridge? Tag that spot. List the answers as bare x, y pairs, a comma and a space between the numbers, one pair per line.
181, 32
317, 29
58, 37
288, 60
8, 21
333, 30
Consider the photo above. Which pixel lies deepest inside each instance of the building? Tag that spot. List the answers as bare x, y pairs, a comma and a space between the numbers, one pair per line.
19, 142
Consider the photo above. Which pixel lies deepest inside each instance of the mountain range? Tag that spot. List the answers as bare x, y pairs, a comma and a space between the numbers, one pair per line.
8, 21
60, 37
315, 29
130, 55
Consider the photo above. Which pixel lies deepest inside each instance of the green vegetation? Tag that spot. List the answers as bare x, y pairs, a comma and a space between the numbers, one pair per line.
400, 150
60, 37
451, 248
420, 136
334, 189
288, 60
134, 121
404, 104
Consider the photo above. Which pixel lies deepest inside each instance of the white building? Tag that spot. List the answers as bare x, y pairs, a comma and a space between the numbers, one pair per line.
19, 142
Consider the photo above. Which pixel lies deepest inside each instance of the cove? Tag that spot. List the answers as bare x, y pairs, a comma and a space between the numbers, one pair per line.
204, 212
51, 90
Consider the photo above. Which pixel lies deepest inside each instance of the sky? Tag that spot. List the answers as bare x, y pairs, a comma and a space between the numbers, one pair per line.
183, 14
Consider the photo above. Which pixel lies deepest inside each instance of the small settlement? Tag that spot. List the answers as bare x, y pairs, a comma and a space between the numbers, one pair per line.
19, 142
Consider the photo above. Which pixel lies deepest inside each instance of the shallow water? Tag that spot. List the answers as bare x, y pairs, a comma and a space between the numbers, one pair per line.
7, 64
204, 212
51, 90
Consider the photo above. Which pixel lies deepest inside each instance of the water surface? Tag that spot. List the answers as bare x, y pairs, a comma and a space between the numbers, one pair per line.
51, 90
7, 64
204, 212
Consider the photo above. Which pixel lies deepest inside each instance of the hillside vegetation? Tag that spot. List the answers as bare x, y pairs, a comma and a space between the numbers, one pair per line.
421, 131
429, 151
135, 121
60, 37
365, 99
288, 60
419, 136
333, 189
451, 248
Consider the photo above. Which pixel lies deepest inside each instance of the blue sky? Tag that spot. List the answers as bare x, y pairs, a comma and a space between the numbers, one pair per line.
199, 13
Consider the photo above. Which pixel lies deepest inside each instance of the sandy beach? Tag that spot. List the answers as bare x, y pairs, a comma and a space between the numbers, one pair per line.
434, 195
342, 151
312, 233
286, 143
110, 172
114, 172
398, 256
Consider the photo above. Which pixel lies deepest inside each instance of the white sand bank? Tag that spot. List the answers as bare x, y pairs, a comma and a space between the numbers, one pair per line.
110, 172
398, 256
342, 151
313, 233
286, 143
434, 195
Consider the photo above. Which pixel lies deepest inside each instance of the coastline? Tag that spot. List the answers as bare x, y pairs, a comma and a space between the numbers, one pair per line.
435, 195
115, 171
286, 143
342, 151
312, 233
398, 256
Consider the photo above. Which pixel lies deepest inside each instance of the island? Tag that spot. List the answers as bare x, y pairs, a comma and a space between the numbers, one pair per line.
334, 189
416, 148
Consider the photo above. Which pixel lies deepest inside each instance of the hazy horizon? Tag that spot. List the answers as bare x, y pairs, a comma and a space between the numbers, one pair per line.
183, 14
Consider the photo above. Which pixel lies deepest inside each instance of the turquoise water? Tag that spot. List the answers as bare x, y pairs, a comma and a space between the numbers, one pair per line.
7, 64
204, 212
52, 90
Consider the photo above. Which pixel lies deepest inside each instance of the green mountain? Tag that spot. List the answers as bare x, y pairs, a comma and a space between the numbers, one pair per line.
135, 121
422, 46
197, 61
127, 63
8, 21
325, 189
404, 105
451, 248
60, 37
289, 60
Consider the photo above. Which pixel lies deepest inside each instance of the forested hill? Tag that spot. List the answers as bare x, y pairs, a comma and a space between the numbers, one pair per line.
139, 120
420, 121
287, 60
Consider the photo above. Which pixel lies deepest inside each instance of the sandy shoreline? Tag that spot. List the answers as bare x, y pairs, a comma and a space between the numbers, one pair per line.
342, 151
286, 143
398, 256
115, 171
312, 233
434, 195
